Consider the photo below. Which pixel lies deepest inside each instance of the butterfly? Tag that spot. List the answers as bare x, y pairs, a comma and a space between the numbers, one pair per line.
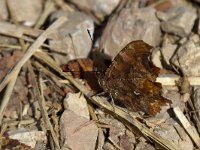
131, 77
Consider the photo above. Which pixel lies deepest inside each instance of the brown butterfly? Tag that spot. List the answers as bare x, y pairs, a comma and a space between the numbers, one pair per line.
131, 79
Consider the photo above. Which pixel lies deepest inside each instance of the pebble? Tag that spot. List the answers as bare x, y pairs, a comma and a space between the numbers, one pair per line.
131, 24
76, 41
178, 20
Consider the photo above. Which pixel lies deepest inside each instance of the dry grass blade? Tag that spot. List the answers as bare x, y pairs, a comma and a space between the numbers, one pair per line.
38, 92
170, 79
22, 122
31, 51
48, 8
45, 116
190, 129
7, 94
45, 70
63, 5
17, 31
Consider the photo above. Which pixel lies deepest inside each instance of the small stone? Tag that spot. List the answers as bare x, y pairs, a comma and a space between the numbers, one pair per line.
173, 93
195, 38
162, 5
77, 132
77, 104
183, 41
131, 24
167, 52
27, 11
108, 146
117, 128
27, 136
178, 20
187, 59
3, 10
175, 133
100, 8
75, 40
156, 57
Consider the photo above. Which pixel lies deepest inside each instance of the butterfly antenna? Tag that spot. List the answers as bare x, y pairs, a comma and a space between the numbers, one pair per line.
91, 38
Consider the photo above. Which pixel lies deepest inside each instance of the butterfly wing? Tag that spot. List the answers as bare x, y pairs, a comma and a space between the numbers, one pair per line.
131, 79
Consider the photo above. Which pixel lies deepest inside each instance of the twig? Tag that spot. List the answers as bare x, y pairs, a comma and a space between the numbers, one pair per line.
114, 144
92, 112
31, 51
48, 8
170, 79
46, 71
45, 117
12, 30
63, 5
188, 127
10, 46
17, 31
22, 122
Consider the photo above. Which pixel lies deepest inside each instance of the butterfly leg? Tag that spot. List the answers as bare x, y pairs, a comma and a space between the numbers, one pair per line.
101, 94
91, 94
112, 102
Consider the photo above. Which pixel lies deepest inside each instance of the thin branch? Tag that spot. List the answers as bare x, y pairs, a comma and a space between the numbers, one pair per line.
170, 79
187, 126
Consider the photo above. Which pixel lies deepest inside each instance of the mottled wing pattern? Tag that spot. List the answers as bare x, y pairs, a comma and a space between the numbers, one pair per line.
131, 79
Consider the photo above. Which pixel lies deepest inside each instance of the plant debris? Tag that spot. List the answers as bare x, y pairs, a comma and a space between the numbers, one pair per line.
54, 53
